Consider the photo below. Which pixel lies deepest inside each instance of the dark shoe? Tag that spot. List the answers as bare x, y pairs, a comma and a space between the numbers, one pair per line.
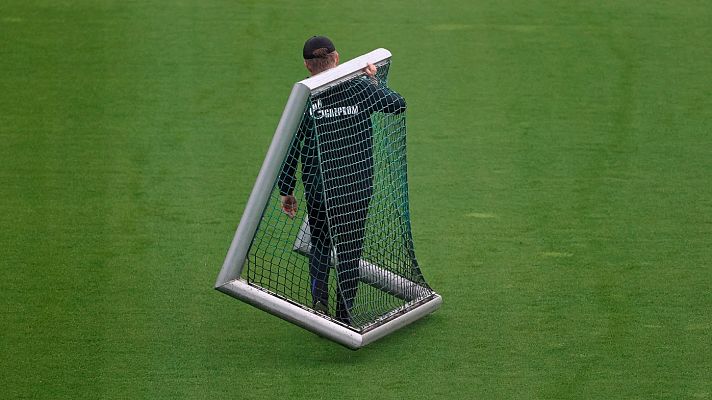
343, 317
321, 308
345, 320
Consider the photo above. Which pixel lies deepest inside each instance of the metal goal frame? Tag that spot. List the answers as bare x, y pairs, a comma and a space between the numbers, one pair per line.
229, 280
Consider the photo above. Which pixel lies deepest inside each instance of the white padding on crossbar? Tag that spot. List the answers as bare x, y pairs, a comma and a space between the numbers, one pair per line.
346, 70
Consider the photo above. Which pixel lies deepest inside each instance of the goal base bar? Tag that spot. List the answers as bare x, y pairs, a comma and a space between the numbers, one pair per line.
320, 325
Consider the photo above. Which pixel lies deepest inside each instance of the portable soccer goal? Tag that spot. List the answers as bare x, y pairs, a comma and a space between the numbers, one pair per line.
339, 260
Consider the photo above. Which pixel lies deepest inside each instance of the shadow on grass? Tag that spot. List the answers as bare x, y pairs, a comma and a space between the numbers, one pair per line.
316, 349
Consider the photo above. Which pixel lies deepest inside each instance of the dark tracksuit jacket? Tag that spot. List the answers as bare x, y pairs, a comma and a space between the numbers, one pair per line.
337, 130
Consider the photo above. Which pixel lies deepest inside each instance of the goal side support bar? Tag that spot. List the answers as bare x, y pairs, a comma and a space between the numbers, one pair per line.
313, 322
235, 259
369, 273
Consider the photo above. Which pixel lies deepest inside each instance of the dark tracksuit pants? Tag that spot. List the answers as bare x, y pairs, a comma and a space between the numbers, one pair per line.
346, 232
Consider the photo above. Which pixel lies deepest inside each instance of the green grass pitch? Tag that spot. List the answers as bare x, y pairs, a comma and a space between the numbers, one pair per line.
560, 168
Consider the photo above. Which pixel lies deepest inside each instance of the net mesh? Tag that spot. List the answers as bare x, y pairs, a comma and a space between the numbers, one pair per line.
346, 250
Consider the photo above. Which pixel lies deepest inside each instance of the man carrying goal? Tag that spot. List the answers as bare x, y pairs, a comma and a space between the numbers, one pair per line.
335, 146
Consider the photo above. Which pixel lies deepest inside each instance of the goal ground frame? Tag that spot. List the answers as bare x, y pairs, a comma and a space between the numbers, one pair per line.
229, 280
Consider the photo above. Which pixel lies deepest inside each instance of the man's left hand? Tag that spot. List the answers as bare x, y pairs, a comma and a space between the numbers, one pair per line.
370, 70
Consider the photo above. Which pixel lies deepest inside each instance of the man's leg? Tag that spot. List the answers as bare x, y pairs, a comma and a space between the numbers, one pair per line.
351, 232
319, 256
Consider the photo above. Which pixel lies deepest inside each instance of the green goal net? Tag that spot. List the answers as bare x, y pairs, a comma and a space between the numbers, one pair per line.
347, 171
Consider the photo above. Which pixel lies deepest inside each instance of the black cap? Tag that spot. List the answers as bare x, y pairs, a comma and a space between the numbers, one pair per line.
317, 42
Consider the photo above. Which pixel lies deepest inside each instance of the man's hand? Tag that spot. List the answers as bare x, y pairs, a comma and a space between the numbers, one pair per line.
370, 70
289, 205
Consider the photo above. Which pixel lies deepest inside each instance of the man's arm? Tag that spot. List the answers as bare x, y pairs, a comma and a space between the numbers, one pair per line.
387, 100
287, 177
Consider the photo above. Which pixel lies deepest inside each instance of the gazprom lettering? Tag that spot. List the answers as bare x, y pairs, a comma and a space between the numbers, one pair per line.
316, 112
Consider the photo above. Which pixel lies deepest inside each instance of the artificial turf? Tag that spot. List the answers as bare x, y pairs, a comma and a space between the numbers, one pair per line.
559, 161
